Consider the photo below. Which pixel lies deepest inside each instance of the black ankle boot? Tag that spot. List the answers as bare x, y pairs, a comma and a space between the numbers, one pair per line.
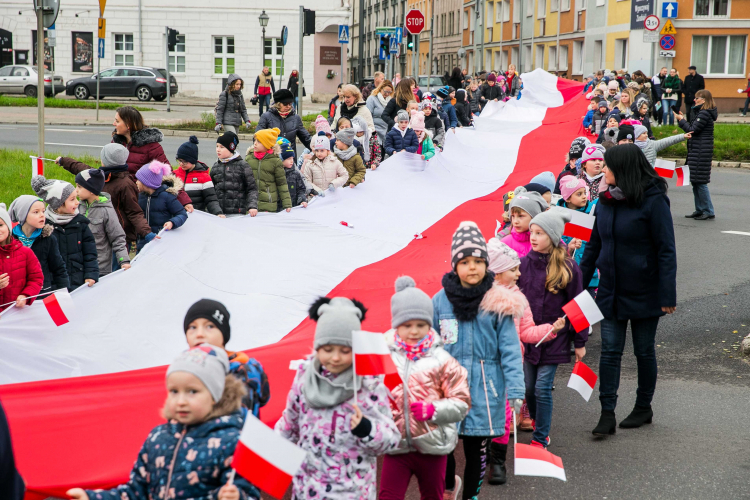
607, 424
498, 453
637, 418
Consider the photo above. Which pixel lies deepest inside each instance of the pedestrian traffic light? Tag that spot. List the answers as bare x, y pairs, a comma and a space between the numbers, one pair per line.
385, 41
172, 38
409, 41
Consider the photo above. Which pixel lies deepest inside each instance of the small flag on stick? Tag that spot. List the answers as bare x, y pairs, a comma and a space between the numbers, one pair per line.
580, 225
37, 166
583, 379
59, 306
372, 357
582, 311
533, 461
683, 176
665, 168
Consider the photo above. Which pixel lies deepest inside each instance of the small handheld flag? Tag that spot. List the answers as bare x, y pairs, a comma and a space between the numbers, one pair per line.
580, 225
582, 311
37, 166
372, 357
683, 176
59, 306
583, 379
665, 168
532, 461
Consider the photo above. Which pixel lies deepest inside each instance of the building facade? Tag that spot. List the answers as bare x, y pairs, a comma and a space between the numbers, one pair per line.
213, 42
447, 42
375, 14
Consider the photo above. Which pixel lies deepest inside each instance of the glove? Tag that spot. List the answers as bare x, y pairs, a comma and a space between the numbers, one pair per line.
422, 410
217, 128
516, 404
149, 237
331, 187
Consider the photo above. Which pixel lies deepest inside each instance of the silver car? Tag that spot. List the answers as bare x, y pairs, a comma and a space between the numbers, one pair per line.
23, 80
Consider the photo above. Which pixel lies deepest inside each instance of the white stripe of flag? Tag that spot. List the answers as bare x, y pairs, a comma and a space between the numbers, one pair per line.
533, 461
582, 311
683, 176
583, 379
37, 166
665, 168
580, 225
373, 357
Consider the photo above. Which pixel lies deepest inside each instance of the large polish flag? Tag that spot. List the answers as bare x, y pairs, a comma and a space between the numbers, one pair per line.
65, 388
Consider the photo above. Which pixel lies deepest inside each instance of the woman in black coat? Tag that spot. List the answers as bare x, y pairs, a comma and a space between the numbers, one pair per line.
402, 96
633, 247
293, 86
456, 80
463, 108
700, 152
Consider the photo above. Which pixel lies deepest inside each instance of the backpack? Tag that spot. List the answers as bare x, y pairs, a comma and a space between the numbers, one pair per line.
251, 373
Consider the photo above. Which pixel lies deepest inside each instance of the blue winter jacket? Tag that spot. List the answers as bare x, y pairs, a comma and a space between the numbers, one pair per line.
489, 349
395, 142
588, 118
588, 209
450, 110
161, 207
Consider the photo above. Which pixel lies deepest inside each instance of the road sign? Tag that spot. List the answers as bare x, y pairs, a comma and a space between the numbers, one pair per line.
52, 37
651, 23
393, 49
667, 42
650, 36
399, 35
667, 53
385, 30
102, 28
669, 9
284, 35
343, 33
101, 48
668, 28
102, 4
414, 21
50, 9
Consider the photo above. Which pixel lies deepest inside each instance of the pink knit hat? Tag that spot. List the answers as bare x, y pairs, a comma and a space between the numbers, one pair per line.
502, 257
152, 173
570, 184
592, 152
417, 121
322, 125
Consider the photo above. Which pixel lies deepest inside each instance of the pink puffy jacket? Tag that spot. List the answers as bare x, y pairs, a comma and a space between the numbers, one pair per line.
437, 378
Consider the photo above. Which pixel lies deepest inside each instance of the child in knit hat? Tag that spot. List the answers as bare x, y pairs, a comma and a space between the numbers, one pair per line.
204, 423
207, 322
549, 280
574, 154
651, 147
401, 138
347, 154
575, 197
233, 178
322, 125
505, 263
592, 163
342, 124
371, 151
428, 405
467, 330
71, 229
324, 170
294, 181
158, 198
524, 206
264, 159
599, 120
342, 438
96, 205
20, 273
426, 148
196, 179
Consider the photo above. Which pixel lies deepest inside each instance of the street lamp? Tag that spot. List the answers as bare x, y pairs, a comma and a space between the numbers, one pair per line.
263, 20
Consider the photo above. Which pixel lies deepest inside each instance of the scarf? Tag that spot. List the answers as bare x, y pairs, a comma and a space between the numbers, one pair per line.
383, 100
26, 240
345, 154
465, 301
59, 219
227, 160
348, 112
258, 155
592, 179
416, 351
115, 168
641, 144
284, 115
322, 390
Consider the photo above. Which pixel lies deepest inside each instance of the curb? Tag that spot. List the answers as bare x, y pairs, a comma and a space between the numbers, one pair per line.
714, 164
165, 131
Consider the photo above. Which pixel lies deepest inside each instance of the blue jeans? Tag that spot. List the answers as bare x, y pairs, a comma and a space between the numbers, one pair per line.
296, 104
747, 102
614, 333
264, 100
702, 199
666, 108
539, 380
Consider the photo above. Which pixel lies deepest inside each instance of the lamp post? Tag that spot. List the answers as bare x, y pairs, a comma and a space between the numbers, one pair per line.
263, 20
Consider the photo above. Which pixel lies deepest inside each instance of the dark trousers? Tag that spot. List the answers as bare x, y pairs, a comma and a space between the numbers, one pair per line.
264, 100
614, 333
747, 102
475, 451
398, 469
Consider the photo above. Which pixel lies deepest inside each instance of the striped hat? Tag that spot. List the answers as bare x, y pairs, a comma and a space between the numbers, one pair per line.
468, 242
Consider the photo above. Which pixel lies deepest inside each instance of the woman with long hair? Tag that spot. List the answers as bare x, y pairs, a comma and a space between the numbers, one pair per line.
231, 112
293, 86
626, 101
700, 152
456, 79
402, 95
354, 105
376, 103
633, 247
141, 141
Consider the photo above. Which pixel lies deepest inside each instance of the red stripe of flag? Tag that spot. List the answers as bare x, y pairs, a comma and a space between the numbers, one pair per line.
576, 231
586, 373
54, 310
576, 316
374, 364
534, 453
262, 473
664, 172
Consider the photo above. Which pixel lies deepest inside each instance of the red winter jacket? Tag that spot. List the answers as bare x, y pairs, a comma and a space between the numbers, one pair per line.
25, 273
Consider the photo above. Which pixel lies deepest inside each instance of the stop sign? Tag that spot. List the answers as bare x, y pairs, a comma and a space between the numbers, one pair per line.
414, 22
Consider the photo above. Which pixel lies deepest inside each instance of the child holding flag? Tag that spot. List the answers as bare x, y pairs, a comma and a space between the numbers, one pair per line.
342, 438
575, 197
483, 342
549, 280
158, 189
427, 406
20, 273
189, 456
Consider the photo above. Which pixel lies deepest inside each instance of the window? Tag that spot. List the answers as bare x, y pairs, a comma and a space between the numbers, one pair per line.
562, 64
516, 11
552, 59
272, 55
504, 60
541, 11
223, 55
539, 59
177, 56
527, 57
719, 55
124, 49
5, 71
529, 8
711, 8
467, 13
499, 12
621, 53
580, 5
108, 73
506, 11
514, 57
565, 5
554, 5
598, 63
600, 3
578, 58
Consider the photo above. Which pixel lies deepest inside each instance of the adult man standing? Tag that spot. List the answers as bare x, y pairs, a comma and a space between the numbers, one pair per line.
656, 92
693, 83
378, 78
264, 87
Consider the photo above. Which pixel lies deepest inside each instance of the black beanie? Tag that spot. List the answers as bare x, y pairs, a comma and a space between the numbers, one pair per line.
92, 179
189, 150
229, 140
538, 188
212, 310
626, 132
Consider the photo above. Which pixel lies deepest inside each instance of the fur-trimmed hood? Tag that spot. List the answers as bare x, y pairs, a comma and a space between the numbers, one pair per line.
47, 231
504, 301
276, 150
174, 184
230, 402
140, 138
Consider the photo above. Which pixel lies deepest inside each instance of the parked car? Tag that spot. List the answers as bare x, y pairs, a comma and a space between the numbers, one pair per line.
23, 80
124, 81
430, 81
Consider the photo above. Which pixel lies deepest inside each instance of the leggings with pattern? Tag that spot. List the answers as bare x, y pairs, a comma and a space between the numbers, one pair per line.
475, 451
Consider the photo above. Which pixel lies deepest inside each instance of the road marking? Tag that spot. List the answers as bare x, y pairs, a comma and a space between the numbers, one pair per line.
62, 130
76, 145
736, 232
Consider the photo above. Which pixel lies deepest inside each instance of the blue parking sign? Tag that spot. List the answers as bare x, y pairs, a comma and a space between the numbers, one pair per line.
343, 33
669, 10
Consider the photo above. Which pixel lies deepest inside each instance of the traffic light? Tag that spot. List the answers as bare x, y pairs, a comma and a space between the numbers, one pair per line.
385, 42
172, 38
409, 41
309, 28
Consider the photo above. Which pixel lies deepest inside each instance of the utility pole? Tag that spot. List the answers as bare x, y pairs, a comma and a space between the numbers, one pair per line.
520, 40
482, 31
474, 26
432, 35
361, 43
301, 50
166, 47
40, 74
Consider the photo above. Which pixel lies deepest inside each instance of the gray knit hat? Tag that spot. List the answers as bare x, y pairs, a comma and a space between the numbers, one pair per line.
410, 303
21, 206
468, 242
346, 135
552, 222
207, 362
337, 318
5, 217
114, 155
639, 130
54, 192
402, 116
530, 202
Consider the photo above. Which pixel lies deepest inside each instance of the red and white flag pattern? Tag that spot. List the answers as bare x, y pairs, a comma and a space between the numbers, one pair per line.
583, 379
37, 166
582, 311
580, 225
683, 176
373, 357
665, 168
533, 461
60, 307
265, 458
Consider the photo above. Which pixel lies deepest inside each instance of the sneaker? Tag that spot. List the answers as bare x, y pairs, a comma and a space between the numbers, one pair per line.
537, 444
526, 423
455, 493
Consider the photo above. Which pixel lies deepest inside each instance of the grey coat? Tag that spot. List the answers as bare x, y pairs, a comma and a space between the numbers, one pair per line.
652, 147
231, 110
376, 110
291, 127
108, 233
